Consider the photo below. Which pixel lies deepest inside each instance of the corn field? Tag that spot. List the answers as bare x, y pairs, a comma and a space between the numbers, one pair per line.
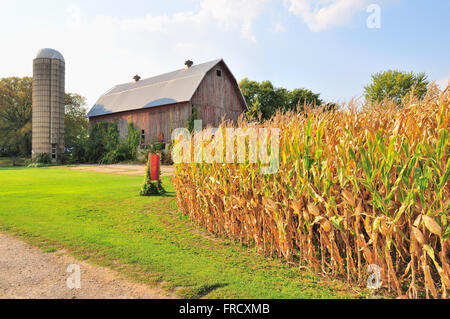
354, 188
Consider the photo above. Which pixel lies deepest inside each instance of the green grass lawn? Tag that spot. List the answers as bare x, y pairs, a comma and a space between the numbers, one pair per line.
101, 218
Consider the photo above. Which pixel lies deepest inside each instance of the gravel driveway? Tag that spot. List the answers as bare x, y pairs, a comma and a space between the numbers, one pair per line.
122, 169
28, 273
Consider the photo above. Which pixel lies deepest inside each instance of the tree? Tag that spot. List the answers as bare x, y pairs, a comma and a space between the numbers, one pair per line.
15, 116
396, 85
300, 97
264, 99
76, 123
250, 90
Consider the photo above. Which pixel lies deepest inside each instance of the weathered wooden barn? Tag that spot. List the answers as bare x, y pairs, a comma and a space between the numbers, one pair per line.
160, 104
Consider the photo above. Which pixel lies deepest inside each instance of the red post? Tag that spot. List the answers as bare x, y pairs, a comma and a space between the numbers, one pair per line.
154, 167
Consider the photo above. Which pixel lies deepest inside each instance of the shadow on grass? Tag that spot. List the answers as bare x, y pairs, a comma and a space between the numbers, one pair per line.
10, 168
201, 291
169, 195
166, 195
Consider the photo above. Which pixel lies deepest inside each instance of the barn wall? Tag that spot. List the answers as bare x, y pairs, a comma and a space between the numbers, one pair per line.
154, 121
217, 97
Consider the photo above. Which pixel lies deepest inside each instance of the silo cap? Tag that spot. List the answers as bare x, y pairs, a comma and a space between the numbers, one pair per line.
49, 54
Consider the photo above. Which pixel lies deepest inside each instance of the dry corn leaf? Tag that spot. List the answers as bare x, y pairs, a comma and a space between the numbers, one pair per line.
313, 209
326, 225
432, 225
297, 207
418, 236
359, 209
348, 197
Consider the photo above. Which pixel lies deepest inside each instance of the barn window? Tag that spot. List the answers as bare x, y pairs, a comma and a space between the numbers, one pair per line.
142, 137
219, 72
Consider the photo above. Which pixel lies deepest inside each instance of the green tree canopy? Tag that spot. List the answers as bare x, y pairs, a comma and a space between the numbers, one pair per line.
15, 116
76, 123
396, 85
265, 99
300, 97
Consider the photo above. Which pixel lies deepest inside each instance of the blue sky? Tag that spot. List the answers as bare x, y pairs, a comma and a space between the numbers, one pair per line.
322, 45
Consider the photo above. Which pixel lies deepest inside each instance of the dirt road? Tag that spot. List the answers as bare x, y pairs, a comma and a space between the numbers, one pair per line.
28, 273
138, 170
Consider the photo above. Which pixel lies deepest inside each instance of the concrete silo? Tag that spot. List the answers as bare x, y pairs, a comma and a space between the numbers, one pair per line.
48, 104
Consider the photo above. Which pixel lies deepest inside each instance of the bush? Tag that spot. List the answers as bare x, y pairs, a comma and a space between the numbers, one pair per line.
104, 137
192, 119
104, 145
121, 153
166, 158
43, 158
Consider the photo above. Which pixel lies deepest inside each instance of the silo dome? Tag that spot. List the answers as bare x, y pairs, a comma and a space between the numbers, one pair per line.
47, 53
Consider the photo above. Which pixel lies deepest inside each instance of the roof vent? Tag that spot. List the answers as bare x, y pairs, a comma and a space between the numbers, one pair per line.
136, 78
188, 64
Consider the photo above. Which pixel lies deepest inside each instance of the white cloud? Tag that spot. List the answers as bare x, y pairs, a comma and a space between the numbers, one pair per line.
278, 28
320, 15
228, 15
104, 51
74, 16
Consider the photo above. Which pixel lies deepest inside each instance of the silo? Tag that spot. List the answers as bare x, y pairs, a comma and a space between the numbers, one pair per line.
48, 104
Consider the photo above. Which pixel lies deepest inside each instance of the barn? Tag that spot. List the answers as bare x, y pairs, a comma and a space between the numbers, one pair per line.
160, 104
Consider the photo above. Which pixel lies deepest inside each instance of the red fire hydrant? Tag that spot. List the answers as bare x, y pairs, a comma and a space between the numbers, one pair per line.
154, 167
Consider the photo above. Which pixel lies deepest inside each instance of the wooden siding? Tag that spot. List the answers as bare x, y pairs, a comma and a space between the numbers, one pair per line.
217, 97
163, 119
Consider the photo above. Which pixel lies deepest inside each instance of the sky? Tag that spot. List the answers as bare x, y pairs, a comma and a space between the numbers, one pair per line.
328, 46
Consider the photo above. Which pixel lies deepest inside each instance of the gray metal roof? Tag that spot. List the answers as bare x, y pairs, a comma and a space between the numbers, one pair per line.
169, 88
47, 53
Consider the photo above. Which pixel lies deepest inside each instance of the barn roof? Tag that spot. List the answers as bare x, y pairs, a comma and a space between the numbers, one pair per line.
169, 88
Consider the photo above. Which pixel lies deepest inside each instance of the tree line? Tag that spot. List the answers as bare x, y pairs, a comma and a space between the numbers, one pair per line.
264, 99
